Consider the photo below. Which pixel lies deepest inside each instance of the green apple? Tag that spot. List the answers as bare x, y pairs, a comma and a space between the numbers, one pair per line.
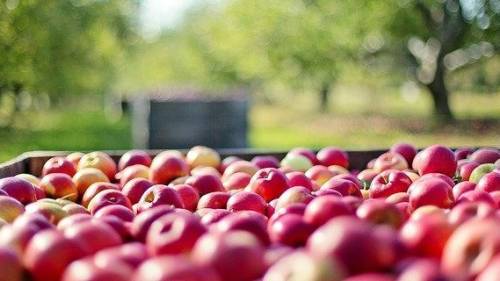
296, 162
480, 171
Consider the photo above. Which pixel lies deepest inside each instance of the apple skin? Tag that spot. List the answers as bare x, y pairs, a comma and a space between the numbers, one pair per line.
10, 208
100, 161
306, 152
466, 170
236, 181
159, 194
350, 177
202, 156
398, 198
485, 155
174, 233
59, 185
210, 216
471, 248
463, 153
107, 198
228, 161
469, 210
214, 200
167, 268
406, 150
489, 182
59, 164
132, 254
10, 265
345, 187
366, 176
51, 209
119, 211
269, 183
301, 265
265, 162
93, 236
89, 270
431, 192
205, 183
49, 253
378, 211
75, 157
325, 192
240, 166
142, 222
322, 209
85, 177
189, 196
232, 255
22, 190
299, 179
18, 234
135, 188
296, 194
276, 252
442, 177
422, 270
295, 162
72, 220
390, 161
134, 157
435, 159
132, 172
491, 272
371, 277
296, 209
245, 200
250, 221
463, 187
477, 196
166, 167
95, 189
389, 182
319, 174
333, 156
290, 229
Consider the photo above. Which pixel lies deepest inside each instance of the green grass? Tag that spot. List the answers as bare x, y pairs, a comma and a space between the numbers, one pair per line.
356, 121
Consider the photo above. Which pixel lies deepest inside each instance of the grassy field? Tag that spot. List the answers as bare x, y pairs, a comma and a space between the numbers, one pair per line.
355, 121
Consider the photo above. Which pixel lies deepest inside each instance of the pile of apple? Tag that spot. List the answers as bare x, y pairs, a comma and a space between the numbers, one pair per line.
426, 216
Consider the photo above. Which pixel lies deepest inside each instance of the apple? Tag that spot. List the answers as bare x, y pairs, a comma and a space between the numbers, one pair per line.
51, 209
276, 252
296, 194
59, 164
87, 176
88, 270
322, 209
214, 200
463, 153
204, 170
29, 177
236, 181
463, 187
265, 162
485, 155
306, 152
466, 170
371, 277
253, 222
174, 234
426, 236
491, 272
323, 192
142, 222
295, 162
471, 248
442, 177
177, 267
390, 161
59, 185
132, 172
233, 255
166, 167
49, 253
406, 150
476, 196
422, 270
333, 156
22, 190
350, 177
210, 216
480, 171
228, 161
189, 196
135, 188
489, 182
118, 211
301, 265
132, 254
345, 187
245, 200
10, 208
398, 197
319, 174
366, 176
100, 161
290, 229
134, 157
107, 198
93, 236
389, 182
205, 183
18, 234
240, 166
469, 210
496, 197
353, 201
431, 192
269, 183
379, 211
203, 156
296, 209
10, 265
299, 179
75, 157
435, 159
72, 220
95, 189
412, 175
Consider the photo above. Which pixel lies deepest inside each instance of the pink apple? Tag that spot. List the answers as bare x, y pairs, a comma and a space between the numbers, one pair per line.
189, 196
214, 200
245, 200
10, 265
485, 155
269, 183
75, 157
345, 187
88, 270
470, 210
265, 162
435, 159
134, 157
463, 153
118, 211
322, 209
299, 179
431, 192
388, 183
210, 216
442, 177
96, 188
390, 161
466, 170
166, 167
333, 156
306, 152
319, 174
59, 185
476, 196
132, 172
132, 254
422, 270
296, 194
142, 222
406, 150
205, 183
240, 166
106, 198
253, 222
93, 236
158, 195
492, 271
489, 182
463, 187
236, 181
290, 229
59, 164
173, 268
398, 198
22, 190
135, 188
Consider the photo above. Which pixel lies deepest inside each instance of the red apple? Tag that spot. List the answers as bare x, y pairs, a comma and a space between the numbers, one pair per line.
232, 255
290, 229
274, 253
72, 220
228, 161
245, 200
107, 198
406, 150
22, 190
135, 188
322, 209
95, 189
214, 200
189, 196
305, 152
18, 234
49, 253
489, 182
366, 176
253, 222
320, 174
93, 236
174, 234
398, 198
296, 209
379, 211
240, 166
205, 183
59, 185
388, 183
469, 210
236, 181
299, 179
463, 187
10, 265
132, 254
442, 177
324, 192
134, 157
158, 195
296, 194
476, 196
75, 157
435, 159
463, 153
10, 208
49, 208
210, 216
345, 187
118, 211
422, 270
333, 156
203, 156
466, 170
85, 177
59, 164
269, 183
142, 222
265, 162
202, 170
166, 167
100, 161
496, 197
88, 270
29, 177
371, 277
350, 177
431, 192
485, 155
132, 172
390, 161
170, 268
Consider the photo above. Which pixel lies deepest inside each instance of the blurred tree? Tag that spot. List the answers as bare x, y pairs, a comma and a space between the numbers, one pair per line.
439, 36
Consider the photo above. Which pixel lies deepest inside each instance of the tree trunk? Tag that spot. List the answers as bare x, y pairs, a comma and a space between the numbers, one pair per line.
324, 97
440, 93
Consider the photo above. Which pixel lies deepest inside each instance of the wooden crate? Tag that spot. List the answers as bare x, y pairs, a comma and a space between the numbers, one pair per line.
32, 162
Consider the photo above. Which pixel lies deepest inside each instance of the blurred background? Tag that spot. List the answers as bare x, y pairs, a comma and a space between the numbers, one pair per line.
82, 74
